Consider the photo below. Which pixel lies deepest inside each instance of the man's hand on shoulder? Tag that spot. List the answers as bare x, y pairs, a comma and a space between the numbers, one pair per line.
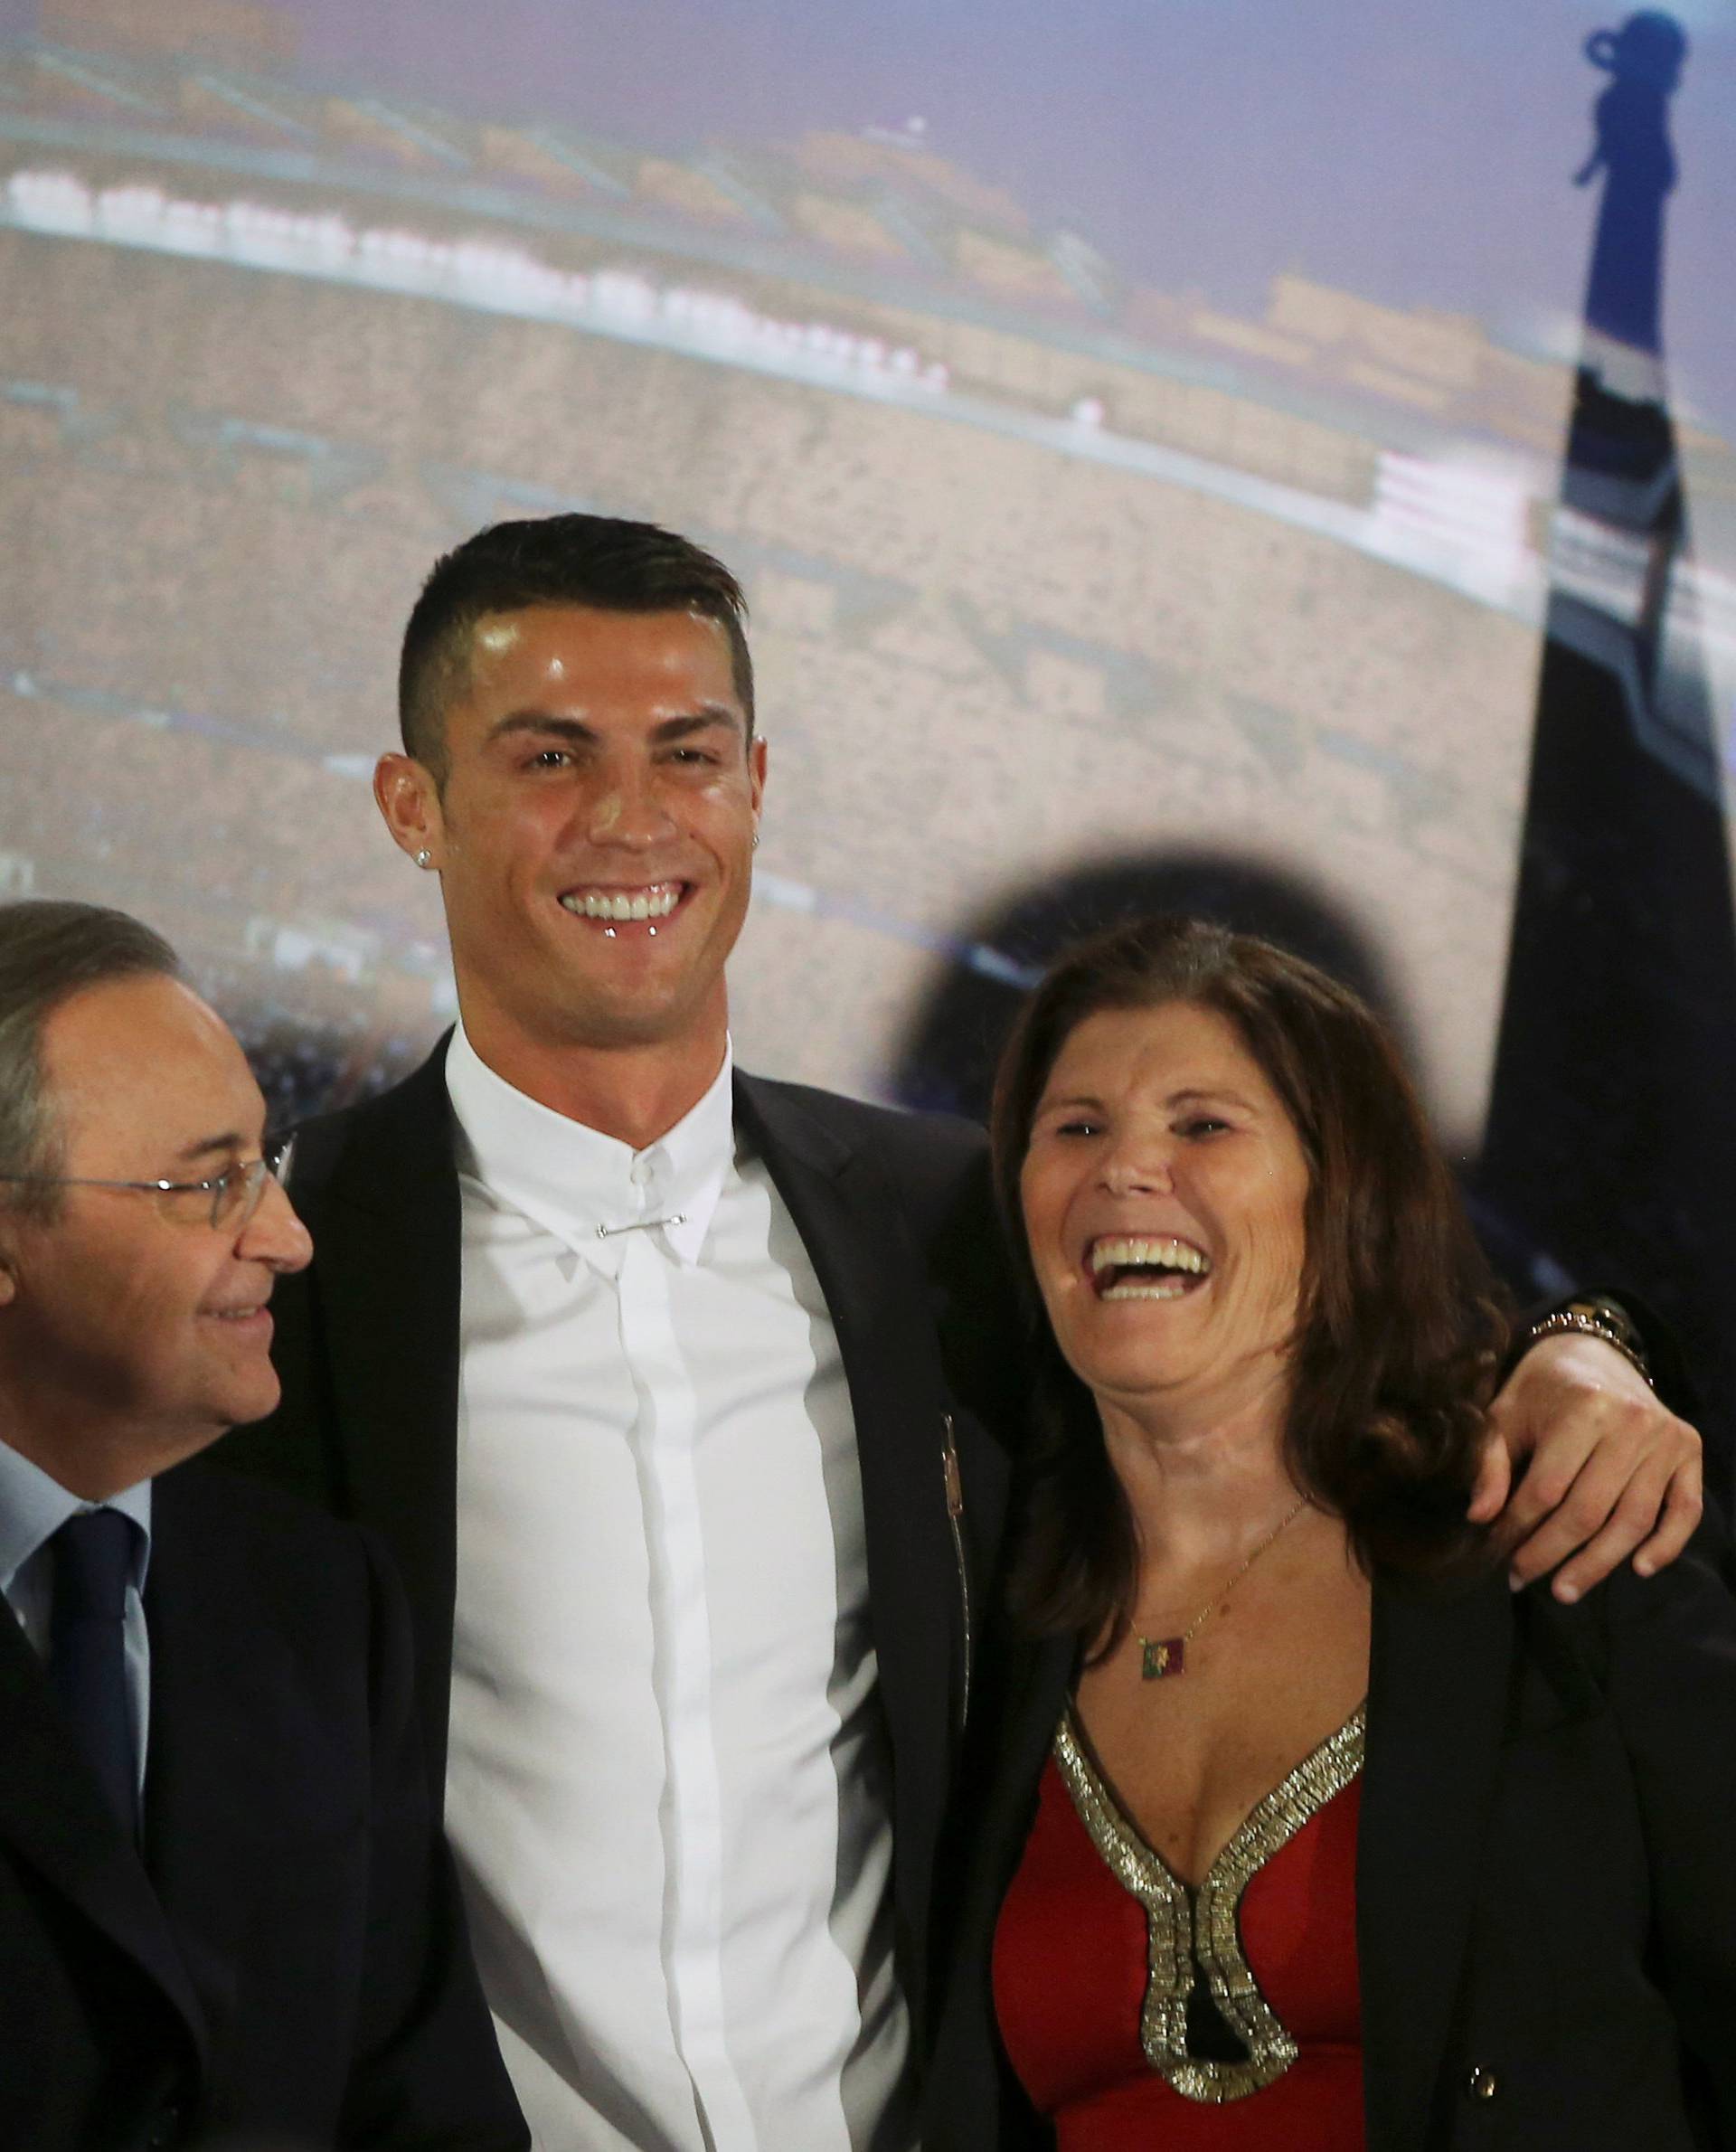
1607, 1470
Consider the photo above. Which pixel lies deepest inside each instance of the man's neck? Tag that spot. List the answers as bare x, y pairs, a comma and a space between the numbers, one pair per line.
633, 1093
97, 1463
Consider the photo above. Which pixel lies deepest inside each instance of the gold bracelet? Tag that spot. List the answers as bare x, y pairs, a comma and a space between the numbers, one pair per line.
1592, 1320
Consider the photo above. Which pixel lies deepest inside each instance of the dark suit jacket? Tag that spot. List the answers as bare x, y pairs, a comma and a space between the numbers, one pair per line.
894, 1211
287, 1960
1546, 1874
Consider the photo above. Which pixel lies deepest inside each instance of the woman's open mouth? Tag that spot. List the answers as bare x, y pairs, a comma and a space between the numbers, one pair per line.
1134, 1267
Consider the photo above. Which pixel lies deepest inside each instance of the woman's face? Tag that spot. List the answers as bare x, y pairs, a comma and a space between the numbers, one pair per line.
1164, 1193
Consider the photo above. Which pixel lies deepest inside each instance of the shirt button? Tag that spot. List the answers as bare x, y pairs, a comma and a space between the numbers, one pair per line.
1480, 2084
645, 1168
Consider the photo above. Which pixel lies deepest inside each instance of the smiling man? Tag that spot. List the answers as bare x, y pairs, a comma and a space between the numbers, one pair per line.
681, 1394
223, 1905
588, 788
639, 1359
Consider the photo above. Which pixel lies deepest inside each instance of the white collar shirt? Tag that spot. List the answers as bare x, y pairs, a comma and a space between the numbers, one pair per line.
668, 1787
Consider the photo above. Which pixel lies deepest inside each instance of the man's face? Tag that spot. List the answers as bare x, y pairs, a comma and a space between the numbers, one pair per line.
596, 827
131, 1311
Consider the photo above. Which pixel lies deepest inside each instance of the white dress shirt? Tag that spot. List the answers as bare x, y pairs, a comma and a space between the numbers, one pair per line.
668, 1784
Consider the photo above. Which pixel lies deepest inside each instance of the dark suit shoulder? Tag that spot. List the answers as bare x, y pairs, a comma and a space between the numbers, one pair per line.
414, 1113
199, 1496
934, 1170
937, 1135
269, 1571
932, 1157
1683, 1605
278, 1548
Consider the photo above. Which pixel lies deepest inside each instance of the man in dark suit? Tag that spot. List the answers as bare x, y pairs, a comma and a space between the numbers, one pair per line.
674, 1390
224, 1908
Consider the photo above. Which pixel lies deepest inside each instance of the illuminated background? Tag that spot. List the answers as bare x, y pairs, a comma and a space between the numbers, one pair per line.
1144, 434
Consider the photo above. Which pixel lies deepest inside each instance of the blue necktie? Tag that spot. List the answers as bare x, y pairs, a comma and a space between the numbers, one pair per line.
93, 1566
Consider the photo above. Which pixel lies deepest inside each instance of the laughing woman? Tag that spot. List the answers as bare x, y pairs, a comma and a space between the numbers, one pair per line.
1303, 1831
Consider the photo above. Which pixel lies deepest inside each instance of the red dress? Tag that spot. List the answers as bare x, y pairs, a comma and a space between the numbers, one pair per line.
1115, 1985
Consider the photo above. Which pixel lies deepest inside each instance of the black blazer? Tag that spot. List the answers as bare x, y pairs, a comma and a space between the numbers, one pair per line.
286, 1960
894, 1211
1546, 1874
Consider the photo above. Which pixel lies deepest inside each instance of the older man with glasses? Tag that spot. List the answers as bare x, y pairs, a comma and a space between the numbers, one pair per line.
224, 1908
229, 1199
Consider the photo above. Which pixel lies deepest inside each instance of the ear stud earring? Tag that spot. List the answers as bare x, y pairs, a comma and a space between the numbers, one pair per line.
424, 858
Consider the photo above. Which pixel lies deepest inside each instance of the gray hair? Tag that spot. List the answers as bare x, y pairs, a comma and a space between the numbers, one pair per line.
49, 951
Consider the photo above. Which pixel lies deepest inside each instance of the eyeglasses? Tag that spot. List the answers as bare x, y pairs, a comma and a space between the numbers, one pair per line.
229, 1200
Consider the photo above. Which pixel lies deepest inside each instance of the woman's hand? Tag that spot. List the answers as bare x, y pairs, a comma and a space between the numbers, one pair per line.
1608, 1471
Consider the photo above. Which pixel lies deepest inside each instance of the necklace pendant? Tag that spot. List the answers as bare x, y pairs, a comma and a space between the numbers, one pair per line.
1160, 1656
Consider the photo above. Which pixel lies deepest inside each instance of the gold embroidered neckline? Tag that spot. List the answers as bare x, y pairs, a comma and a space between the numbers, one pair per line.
1188, 1926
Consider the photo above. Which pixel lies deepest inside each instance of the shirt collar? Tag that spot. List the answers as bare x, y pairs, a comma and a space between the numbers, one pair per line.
581, 1185
33, 1506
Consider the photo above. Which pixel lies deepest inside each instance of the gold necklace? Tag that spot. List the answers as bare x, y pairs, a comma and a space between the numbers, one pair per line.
1160, 1656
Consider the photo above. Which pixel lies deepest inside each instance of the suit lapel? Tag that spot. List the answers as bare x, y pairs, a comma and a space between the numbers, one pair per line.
875, 1286
1041, 1675
387, 1229
53, 1814
210, 1799
1438, 1673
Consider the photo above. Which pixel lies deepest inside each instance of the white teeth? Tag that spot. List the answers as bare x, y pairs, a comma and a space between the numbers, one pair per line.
1140, 1289
1155, 1254
658, 902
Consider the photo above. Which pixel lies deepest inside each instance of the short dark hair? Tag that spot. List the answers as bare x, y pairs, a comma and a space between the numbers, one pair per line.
1401, 1324
49, 951
599, 561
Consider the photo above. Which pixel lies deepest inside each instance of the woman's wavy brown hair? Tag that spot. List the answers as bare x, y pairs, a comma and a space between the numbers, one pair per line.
1400, 1326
